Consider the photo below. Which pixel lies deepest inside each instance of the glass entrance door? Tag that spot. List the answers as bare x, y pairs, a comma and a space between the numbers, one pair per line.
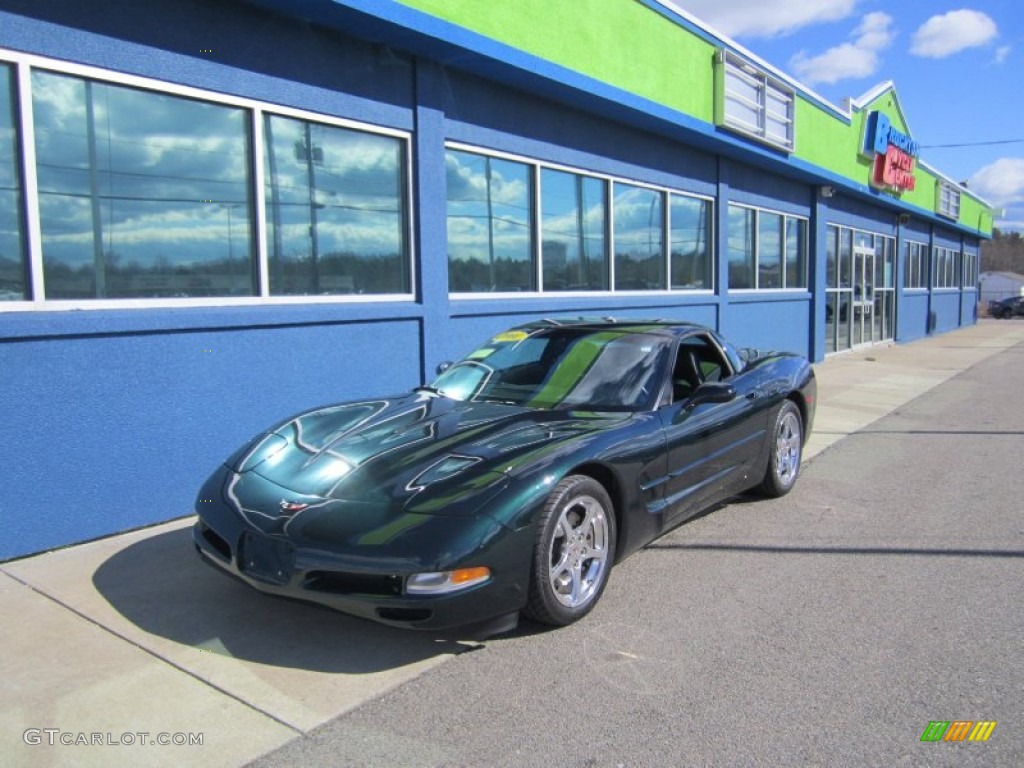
863, 295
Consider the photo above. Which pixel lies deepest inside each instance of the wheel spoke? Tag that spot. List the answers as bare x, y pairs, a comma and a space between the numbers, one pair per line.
579, 551
787, 448
575, 594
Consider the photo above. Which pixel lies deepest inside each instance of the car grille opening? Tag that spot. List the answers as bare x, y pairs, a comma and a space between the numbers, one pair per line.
220, 545
341, 583
405, 614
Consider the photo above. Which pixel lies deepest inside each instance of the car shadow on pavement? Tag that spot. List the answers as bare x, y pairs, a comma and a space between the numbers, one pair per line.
160, 585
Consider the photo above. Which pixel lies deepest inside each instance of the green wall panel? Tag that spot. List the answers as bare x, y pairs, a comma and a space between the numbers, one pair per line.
623, 44
627, 45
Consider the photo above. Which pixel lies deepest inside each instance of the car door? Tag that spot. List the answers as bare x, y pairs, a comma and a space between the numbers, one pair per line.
712, 448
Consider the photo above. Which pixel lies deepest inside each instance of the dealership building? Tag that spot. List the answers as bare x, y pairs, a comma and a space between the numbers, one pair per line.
216, 213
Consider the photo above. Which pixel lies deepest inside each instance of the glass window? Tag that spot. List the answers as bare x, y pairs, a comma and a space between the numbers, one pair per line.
141, 194
796, 253
769, 250
747, 100
914, 273
741, 247
970, 279
889, 270
490, 222
690, 242
845, 258
573, 226
13, 285
639, 252
335, 209
832, 257
948, 203
947, 267
563, 368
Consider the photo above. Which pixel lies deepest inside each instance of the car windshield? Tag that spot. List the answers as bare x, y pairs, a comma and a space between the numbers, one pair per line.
567, 367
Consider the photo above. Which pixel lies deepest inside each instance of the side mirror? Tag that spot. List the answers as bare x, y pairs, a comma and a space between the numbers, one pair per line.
442, 367
713, 392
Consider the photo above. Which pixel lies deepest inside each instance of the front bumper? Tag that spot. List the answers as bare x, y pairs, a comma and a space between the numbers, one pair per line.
356, 585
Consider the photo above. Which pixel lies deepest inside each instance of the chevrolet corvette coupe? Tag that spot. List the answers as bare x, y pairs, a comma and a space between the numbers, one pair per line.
514, 481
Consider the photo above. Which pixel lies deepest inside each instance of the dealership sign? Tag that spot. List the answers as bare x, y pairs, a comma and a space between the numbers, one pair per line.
894, 154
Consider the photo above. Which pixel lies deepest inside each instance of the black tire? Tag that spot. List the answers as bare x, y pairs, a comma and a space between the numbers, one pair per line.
573, 552
785, 452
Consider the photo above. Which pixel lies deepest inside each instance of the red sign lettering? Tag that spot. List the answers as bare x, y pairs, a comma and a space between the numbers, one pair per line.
894, 170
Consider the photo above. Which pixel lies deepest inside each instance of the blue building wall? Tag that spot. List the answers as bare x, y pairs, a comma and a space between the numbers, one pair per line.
115, 417
913, 315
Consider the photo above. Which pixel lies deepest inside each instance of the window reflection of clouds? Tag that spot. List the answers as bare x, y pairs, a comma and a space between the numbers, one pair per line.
489, 223
690, 243
574, 225
639, 259
141, 194
741, 247
335, 209
796, 253
12, 253
769, 250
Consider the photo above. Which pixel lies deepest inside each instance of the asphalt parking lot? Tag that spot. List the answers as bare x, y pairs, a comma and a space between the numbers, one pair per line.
826, 628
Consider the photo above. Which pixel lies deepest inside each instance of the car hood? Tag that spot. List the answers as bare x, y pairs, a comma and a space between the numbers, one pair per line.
409, 451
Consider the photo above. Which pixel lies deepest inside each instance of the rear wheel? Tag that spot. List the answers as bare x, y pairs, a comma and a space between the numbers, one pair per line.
786, 450
573, 552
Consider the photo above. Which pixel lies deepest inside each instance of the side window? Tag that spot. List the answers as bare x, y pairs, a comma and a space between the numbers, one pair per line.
698, 360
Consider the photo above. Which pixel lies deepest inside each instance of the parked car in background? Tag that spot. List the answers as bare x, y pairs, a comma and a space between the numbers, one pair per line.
1007, 308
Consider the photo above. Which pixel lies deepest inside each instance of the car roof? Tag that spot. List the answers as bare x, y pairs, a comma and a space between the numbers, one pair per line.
658, 326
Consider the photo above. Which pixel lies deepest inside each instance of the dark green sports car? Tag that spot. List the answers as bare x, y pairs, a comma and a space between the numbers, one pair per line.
512, 483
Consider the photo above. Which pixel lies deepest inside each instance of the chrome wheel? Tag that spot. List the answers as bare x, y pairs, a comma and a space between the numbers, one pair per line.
573, 552
788, 440
784, 454
579, 552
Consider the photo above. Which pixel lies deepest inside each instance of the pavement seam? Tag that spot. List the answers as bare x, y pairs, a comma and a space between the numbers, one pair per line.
149, 652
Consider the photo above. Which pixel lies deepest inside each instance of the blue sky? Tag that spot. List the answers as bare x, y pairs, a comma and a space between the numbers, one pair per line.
957, 66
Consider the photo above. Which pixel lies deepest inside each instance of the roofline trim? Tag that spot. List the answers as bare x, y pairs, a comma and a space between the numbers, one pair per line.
671, 10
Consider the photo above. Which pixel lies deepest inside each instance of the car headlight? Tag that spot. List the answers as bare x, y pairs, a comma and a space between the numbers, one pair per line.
443, 582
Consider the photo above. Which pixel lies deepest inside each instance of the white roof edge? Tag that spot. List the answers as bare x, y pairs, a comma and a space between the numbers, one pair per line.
725, 39
873, 93
945, 177
854, 104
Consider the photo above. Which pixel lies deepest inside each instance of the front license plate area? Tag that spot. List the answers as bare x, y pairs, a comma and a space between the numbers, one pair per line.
265, 558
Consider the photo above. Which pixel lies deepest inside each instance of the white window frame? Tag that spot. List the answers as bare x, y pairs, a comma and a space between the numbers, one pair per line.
947, 202
767, 89
915, 251
25, 63
758, 210
969, 270
538, 166
946, 270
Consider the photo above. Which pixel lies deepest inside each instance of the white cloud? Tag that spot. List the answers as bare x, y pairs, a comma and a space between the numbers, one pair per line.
1001, 182
757, 18
1002, 53
848, 60
953, 32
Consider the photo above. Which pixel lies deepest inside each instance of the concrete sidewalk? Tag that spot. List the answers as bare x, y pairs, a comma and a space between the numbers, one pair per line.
130, 641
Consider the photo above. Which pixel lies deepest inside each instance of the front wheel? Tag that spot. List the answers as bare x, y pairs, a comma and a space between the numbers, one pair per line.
573, 552
785, 453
